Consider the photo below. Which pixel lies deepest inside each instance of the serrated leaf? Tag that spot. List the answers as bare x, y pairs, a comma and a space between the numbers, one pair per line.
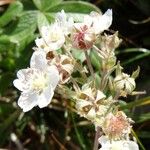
13, 11
25, 29
75, 6
44, 5
28, 19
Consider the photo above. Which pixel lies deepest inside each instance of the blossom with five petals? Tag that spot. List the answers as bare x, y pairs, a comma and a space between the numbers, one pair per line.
37, 84
85, 33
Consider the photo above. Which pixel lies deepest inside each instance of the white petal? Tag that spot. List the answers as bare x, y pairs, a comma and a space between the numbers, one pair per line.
53, 76
27, 101
132, 81
100, 95
18, 84
103, 22
88, 20
133, 145
103, 140
64, 22
91, 114
38, 60
20, 74
53, 36
89, 93
44, 31
61, 16
117, 145
82, 103
46, 96
39, 42
56, 45
68, 68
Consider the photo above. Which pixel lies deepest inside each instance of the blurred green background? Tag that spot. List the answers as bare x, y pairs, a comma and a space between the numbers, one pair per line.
58, 127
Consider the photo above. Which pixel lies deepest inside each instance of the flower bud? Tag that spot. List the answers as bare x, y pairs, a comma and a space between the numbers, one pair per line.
110, 42
124, 82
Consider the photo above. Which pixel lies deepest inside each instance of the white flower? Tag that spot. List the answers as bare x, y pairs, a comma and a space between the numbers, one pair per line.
117, 145
52, 38
37, 84
64, 22
84, 34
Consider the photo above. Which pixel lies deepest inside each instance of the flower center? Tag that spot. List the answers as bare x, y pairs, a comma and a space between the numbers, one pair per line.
39, 83
55, 36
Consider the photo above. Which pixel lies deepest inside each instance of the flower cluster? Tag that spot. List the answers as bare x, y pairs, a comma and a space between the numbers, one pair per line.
48, 68
52, 65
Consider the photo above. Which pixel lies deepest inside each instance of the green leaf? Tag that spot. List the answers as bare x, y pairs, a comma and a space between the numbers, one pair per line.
95, 60
135, 58
25, 29
28, 19
75, 6
5, 110
97, 80
78, 54
5, 44
140, 102
44, 5
135, 74
78, 134
132, 50
142, 118
144, 53
42, 20
8, 122
13, 11
5, 80
77, 17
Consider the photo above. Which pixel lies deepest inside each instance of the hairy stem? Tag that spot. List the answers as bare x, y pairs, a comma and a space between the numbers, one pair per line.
89, 64
97, 135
